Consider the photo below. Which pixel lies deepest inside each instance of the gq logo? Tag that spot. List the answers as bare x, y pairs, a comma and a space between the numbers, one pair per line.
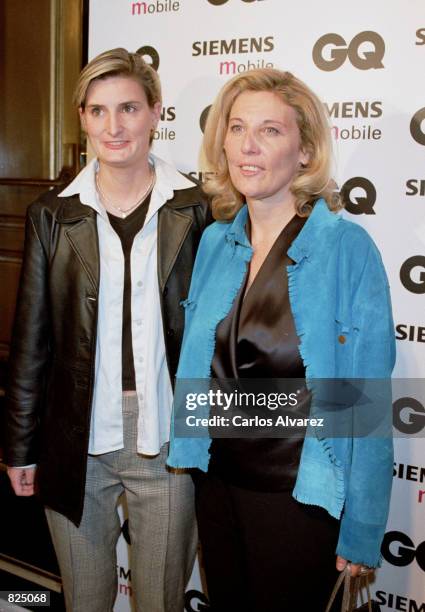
359, 204
195, 598
126, 532
203, 118
414, 285
416, 130
339, 51
408, 415
220, 2
152, 54
405, 552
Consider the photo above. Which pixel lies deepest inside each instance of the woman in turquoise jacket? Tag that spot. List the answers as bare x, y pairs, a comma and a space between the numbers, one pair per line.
284, 288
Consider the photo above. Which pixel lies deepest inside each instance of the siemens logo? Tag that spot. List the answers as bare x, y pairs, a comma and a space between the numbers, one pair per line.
354, 110
233, 46
400, 603
415, 187
420, 36
168, 113
414, 473
412, 333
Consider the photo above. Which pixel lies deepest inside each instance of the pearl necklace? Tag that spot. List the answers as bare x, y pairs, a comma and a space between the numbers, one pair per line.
125, 212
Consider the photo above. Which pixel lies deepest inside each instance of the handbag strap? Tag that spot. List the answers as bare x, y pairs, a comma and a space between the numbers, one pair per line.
364, 575
351, 590
337, 586
369, 598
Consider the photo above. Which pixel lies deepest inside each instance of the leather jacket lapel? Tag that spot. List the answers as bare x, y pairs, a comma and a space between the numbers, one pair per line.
173, 227
82, 236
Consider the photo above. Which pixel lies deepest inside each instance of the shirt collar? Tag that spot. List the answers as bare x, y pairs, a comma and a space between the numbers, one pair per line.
236, 233
309, 235
312, 232
168, 179
84, 185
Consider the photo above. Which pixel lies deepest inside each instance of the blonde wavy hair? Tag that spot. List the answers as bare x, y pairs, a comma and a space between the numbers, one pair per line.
313, 179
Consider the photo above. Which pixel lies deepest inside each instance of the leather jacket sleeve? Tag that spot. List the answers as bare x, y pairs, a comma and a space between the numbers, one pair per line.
29, 351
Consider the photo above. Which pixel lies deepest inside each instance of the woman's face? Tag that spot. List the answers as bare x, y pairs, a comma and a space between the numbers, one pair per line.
263, 146
118, 121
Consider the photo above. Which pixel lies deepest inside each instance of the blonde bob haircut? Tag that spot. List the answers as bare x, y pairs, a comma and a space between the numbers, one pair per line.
118, 62
313, 179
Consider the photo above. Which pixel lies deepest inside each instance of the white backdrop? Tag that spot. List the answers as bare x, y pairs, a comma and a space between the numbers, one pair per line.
366, 61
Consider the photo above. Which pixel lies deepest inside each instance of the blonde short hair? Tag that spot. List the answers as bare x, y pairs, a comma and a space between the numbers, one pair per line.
118, 62
313, 179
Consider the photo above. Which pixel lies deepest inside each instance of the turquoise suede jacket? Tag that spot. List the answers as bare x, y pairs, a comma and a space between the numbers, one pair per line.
340, 302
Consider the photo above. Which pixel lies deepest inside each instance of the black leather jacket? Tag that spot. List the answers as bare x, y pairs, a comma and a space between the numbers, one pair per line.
48, 403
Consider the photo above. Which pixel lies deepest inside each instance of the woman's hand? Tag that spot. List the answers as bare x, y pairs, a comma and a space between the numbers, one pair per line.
341, 564
22, 480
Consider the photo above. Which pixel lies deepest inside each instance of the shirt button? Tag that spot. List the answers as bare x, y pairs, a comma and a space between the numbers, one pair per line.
139, 284
139, 322
341, 339
140, 359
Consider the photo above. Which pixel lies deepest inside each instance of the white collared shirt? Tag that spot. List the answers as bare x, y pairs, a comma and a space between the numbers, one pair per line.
153, 386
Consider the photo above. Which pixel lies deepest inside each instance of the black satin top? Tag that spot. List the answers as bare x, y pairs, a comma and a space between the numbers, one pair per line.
258, 340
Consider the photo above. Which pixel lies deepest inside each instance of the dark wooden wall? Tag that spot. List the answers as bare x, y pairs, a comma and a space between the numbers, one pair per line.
41, 46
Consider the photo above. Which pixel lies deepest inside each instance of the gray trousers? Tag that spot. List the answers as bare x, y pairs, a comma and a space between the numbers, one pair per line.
161, 522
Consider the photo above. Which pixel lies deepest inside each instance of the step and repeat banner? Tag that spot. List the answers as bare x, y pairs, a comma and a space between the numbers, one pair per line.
366, 61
